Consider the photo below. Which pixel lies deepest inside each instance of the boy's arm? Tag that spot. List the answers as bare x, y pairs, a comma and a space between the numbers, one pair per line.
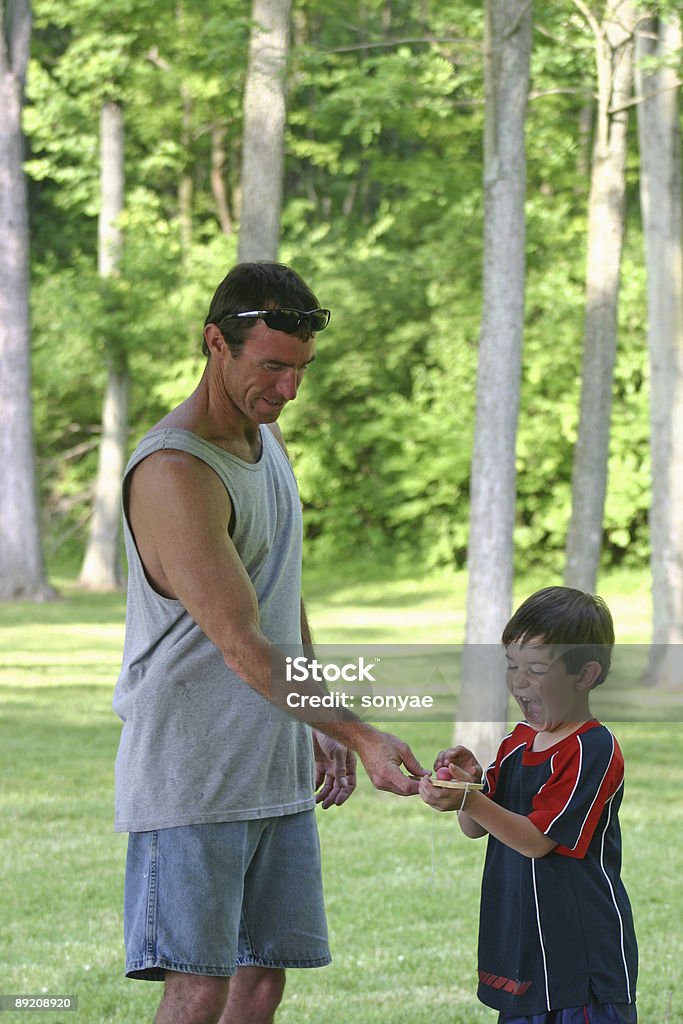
480, 816
462, 757
515, 830
469, 827
180, 513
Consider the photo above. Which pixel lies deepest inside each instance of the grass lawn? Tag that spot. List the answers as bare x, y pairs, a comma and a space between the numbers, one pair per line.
401, 882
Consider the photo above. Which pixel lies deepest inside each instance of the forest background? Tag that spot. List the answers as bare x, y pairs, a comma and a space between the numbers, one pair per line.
382, 212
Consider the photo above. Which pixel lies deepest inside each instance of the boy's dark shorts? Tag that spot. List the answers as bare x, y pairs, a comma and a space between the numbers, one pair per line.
596, 1013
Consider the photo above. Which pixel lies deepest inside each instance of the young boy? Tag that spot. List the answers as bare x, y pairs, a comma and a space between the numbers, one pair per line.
556, 937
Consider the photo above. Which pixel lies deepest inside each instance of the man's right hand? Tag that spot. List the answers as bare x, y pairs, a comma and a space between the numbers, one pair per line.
382, 755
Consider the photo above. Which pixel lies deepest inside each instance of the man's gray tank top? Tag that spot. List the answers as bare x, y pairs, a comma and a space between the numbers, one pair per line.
198, 744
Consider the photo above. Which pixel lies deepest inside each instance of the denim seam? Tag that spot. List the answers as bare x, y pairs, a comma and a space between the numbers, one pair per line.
244, 925
152, 899
282, 962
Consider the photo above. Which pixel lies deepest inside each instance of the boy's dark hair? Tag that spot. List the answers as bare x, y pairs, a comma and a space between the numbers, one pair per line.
257, 286
578, 623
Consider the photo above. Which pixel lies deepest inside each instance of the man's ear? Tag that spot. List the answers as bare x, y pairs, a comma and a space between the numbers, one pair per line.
589, 675
215, 342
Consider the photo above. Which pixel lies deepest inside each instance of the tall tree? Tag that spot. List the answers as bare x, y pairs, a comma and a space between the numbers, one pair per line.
507, 50
101, 570
264, 126
658, 45
614, 49
220, 193
22, 573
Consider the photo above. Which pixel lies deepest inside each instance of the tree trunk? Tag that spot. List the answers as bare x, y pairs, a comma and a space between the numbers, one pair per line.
583, 149
101, 570
217, 181
483, 700
614, 54
659, 138
263, 136
22, 572
186, 184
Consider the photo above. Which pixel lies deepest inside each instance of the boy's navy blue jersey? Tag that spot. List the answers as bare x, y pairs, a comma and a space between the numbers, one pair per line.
558, 929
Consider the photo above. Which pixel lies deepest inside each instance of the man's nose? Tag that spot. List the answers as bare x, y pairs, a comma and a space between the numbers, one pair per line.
288, 384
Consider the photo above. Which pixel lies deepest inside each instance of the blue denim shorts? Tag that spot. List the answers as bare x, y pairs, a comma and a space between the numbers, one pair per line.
207, 899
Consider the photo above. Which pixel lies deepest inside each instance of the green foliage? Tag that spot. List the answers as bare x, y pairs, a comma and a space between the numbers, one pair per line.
382, 214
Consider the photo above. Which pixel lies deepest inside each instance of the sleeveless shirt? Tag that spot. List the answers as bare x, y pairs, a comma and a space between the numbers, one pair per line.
197, 743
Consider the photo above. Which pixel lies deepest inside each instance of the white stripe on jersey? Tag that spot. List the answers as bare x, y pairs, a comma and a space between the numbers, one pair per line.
576, 782
493, 763
532, 861
578, 777
611, 889
609, 765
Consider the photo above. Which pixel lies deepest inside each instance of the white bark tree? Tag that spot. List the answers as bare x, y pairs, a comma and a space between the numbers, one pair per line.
263, 133
659, 134
483, 699
101, 569
614, 50
22, 572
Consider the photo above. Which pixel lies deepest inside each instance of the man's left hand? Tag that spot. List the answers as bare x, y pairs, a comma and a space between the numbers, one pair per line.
335, 771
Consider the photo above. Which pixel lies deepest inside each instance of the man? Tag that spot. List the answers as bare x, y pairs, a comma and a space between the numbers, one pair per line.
214, 782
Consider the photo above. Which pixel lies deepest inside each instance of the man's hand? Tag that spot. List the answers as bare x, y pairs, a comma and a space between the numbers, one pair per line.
335, 771
382, 755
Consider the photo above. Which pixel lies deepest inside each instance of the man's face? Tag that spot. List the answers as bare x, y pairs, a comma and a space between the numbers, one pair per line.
267, 372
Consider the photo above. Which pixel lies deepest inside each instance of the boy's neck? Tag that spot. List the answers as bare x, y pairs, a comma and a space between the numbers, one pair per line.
544, 739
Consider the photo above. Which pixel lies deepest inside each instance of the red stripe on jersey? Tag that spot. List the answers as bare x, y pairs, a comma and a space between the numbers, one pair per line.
612, 780
511, 985
507, 747
567, 784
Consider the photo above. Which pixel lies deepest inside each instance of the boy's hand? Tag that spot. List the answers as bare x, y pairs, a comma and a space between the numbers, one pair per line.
445, 799
463, 758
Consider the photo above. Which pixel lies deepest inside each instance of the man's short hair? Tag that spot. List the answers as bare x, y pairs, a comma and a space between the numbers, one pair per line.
259, 285
579, 624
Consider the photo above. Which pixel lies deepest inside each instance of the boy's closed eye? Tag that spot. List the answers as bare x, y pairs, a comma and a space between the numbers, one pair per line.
539, 669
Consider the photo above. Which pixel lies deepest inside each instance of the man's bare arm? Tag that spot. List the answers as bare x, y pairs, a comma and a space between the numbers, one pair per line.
179, 513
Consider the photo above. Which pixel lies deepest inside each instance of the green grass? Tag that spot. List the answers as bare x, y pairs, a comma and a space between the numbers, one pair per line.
401, 882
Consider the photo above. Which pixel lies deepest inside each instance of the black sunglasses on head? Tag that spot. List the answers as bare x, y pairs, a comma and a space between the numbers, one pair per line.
286, 320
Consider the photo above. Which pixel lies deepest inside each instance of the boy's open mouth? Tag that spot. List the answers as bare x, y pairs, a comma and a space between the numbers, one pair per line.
530, 708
